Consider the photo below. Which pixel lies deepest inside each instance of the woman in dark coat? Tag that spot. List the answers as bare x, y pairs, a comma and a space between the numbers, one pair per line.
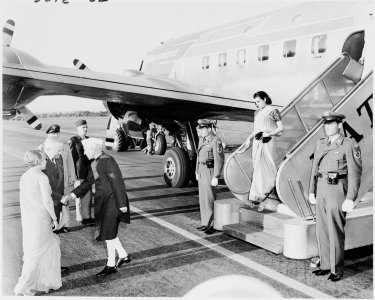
111, 201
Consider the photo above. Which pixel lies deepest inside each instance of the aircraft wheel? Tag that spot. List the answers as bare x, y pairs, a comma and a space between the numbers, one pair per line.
121, 141
160, 145
176, 167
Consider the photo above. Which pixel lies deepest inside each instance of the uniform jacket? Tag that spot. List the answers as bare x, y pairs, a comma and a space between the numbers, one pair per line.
55, 174
211, 148
81, 161
342, 156
110, 195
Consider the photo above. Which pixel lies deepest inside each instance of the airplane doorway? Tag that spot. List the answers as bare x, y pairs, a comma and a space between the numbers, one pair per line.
354, 45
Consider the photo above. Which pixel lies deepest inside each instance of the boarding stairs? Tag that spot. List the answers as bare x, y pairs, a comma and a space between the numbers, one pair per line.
292, 230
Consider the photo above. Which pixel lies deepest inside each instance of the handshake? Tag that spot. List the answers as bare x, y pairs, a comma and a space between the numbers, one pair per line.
66, 198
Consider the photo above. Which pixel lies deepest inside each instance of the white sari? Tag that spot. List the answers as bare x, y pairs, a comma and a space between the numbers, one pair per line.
264, 175
41, 270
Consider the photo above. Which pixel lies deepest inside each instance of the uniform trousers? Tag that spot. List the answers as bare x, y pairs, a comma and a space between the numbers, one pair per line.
207, 195
330, 223
83, 204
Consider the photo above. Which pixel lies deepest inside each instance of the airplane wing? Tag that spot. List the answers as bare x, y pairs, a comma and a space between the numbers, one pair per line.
25, 78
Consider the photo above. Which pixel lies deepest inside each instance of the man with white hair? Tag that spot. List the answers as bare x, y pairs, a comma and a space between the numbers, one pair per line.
53, 133
55, 172
111, 201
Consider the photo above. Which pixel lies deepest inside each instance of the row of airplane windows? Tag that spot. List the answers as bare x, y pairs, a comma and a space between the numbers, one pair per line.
318, 46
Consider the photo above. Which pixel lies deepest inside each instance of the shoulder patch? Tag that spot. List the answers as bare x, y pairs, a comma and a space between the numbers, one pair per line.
219, 146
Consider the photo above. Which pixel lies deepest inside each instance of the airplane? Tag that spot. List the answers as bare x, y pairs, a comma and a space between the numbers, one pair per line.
207, 74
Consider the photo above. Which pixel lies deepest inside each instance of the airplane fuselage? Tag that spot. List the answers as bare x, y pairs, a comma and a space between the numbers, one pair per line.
279, 52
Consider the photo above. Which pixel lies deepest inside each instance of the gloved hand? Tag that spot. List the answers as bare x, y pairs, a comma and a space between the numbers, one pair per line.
214, 181
348, 205
312, 198
259, 135
247, 143
197, 177
124, 209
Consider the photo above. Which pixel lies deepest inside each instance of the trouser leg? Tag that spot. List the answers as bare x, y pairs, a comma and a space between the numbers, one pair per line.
86, 205
322, 232
336, 220
207, 195
119, 248
111, 250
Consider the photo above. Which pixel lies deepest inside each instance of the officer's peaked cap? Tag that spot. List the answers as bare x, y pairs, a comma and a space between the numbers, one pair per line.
330, 116
80, 123
53, 129
206, 122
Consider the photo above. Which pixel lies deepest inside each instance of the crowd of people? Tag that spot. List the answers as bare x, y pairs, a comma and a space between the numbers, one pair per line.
60, 173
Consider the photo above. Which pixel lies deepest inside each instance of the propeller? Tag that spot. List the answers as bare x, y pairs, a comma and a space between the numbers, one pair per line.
8, 31
27, 115
30, 118
80, 65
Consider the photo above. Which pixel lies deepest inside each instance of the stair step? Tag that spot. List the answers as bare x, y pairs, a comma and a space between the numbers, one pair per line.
267, 221
255, 236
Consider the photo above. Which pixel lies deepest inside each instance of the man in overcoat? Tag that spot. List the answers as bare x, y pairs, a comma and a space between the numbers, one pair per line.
82, 166
334, 185
111, 201
210, 162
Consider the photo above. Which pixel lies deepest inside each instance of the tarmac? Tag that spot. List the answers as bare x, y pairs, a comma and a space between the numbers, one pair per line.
169, 255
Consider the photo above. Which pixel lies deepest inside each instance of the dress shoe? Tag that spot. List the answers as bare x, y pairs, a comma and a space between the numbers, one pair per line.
334, 277
64, 269
210, 230
90, 221
202, 228
123, 260
321, 272
106, 271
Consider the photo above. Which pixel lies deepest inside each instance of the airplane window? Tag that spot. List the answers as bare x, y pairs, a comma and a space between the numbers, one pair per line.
241, 57
319, 44
290, 48
263, 52
205, 62
222, 60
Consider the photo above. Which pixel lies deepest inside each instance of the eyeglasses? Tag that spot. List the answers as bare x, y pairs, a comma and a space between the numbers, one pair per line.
202, 126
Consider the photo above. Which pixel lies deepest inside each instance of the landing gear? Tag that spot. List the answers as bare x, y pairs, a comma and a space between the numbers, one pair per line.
160, 144
121, 142
176, 167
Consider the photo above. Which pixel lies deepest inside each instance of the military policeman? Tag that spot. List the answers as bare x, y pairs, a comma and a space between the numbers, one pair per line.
82, 165
210, 161
335, 180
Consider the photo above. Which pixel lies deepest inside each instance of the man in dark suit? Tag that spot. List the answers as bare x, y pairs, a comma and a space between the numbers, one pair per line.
82, 165
55, 172
111, 201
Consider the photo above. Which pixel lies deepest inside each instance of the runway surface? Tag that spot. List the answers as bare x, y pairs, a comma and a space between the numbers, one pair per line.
170, 256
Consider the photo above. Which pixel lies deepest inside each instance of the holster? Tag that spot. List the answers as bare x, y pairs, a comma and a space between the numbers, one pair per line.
210, 163
333, 178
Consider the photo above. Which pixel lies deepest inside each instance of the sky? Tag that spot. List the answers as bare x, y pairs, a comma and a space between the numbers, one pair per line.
111, 36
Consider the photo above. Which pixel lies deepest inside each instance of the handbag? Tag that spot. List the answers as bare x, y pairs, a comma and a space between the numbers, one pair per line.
353, 71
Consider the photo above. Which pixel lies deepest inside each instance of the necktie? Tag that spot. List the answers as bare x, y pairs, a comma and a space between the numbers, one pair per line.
93, 168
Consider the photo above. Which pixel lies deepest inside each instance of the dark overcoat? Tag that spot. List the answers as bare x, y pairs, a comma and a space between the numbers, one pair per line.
55, 174
81, 162
110, 195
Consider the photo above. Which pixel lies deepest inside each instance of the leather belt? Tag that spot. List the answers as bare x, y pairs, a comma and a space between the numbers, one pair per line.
325, 176
202, 163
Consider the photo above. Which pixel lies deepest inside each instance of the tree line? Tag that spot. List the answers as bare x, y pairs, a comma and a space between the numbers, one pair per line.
84, 113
